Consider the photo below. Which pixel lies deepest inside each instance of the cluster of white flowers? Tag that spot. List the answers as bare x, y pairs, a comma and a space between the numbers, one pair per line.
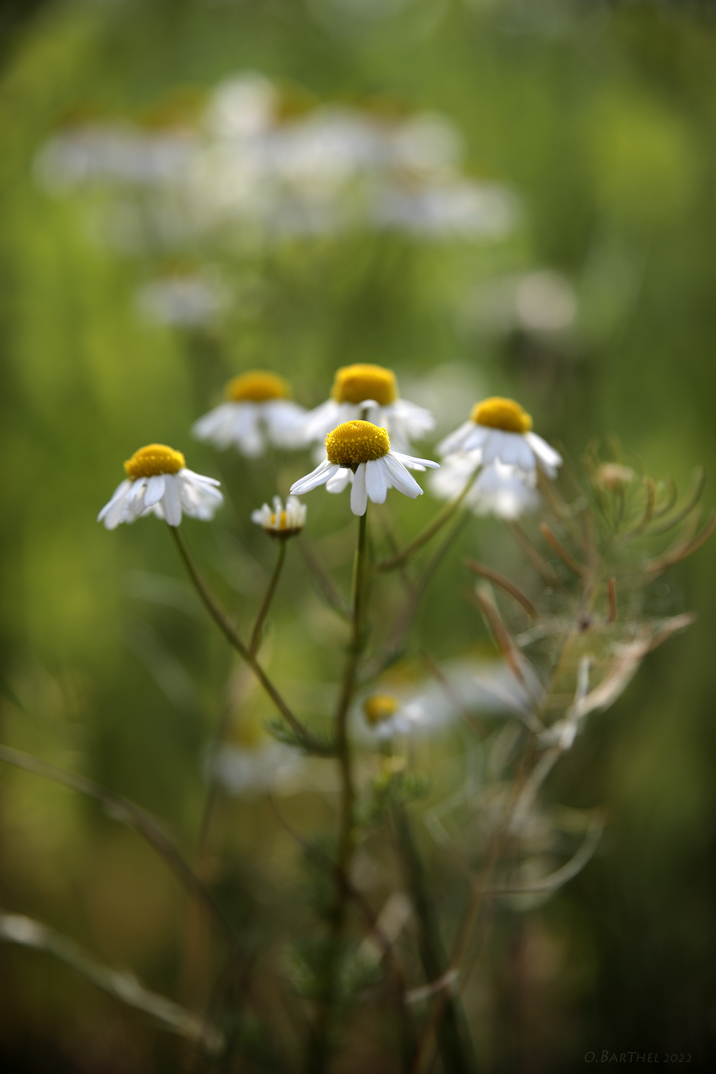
492, 459
252, 165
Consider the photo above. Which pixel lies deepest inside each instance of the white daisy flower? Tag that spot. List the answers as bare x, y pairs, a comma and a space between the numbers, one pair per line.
386, 715
159, 483
279, 522
361, 451
500, 430
501, 490
258, 409
369, 392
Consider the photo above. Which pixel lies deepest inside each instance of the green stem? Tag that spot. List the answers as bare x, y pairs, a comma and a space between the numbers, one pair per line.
318, 1053
261, 618
435, 526
452, 1030
219, 616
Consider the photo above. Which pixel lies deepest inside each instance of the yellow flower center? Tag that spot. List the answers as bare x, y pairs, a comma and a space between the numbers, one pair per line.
356, 383
355, 442
154, 459
379, 707
257, 386
503, 414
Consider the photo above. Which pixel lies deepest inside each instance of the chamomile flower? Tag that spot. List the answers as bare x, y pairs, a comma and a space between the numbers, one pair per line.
279, 522
500, 489
385, 715
361, 451
501, 431
159, 483
258, 409
369, 392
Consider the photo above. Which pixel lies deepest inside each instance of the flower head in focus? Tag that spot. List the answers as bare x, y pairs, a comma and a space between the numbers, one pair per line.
501, 431
362, 451
369, 392
159, 483
281, 523
258, 408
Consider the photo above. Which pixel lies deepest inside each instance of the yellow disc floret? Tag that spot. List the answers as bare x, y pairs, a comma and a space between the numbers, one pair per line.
152, 460
257, 386
379, 707
355, 442
505, 414
356, 383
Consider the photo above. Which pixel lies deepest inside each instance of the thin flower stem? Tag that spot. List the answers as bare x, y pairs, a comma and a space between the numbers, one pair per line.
264, 610
390, 562
405, 617
504, 583
126, 812
569, 561
451, 1031
219, 616
329, 590
539, 563
318, 1052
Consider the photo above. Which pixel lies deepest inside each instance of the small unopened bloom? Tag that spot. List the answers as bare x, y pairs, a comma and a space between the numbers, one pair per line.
279, 522
369, 392
499, 430
614, 476
361, 451
258, 408
159, 483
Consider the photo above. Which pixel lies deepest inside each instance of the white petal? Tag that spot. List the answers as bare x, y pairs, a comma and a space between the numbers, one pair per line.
359, 493
321, 421
171, 503
462, 439
317, 477
401, 479
135, 497
285, 423
111, 513
217, 426
413, 420
413, 463
544, 452
246, 429
155, 490
340, 479
200, 477
509, 448
376, 480
198, 499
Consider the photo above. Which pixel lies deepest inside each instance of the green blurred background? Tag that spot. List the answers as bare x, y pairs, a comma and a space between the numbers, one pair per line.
600, 118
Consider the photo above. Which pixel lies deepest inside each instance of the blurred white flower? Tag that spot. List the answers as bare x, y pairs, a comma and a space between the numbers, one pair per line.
258, 409
540, 302
362, 451
98, 152
463, 209
499, 489
158, 483
370, 393
181, 300
261, 768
